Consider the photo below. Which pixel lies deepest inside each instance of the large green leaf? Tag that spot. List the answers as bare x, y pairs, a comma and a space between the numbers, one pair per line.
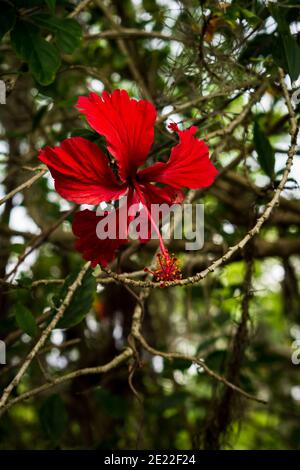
53, 418
44, 62
42, 57
67, 31
25, 320
81, 301
265, 151
288, 45
292, 54
21, 39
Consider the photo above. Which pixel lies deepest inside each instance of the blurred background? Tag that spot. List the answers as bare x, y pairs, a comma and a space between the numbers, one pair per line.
208, 63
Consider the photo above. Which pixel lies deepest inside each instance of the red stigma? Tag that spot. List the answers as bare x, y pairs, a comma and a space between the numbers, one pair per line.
167, 268
173, 127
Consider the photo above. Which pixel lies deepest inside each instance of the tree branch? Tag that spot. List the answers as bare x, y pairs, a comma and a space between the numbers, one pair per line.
126, 354
23, 186
41, 341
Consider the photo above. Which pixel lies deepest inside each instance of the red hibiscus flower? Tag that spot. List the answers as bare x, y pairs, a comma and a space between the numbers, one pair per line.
82, 172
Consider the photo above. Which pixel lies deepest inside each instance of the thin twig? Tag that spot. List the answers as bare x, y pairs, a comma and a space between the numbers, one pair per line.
125, 50
136, 333
240, 118
115, 362
39, 239
224, 91
132, 33
23, 186
81, 5
42, 339
194, 360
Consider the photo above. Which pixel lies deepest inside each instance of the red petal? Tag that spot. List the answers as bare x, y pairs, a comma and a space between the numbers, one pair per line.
127, 125
92, 248
156, 195
88, 244
81, 172
188, 166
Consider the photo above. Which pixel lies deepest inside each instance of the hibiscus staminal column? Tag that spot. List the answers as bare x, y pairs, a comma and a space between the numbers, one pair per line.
167, 265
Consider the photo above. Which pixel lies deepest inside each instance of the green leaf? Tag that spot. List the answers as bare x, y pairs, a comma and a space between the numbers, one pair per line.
68, 37
292, 54
24, 280
22, 37
265, 151
44, 61
288, 45
51, 4
252, 19
67, 31
17, 248
53, 418
42, 57
7, 19
38, 116
25, 320
81, 301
